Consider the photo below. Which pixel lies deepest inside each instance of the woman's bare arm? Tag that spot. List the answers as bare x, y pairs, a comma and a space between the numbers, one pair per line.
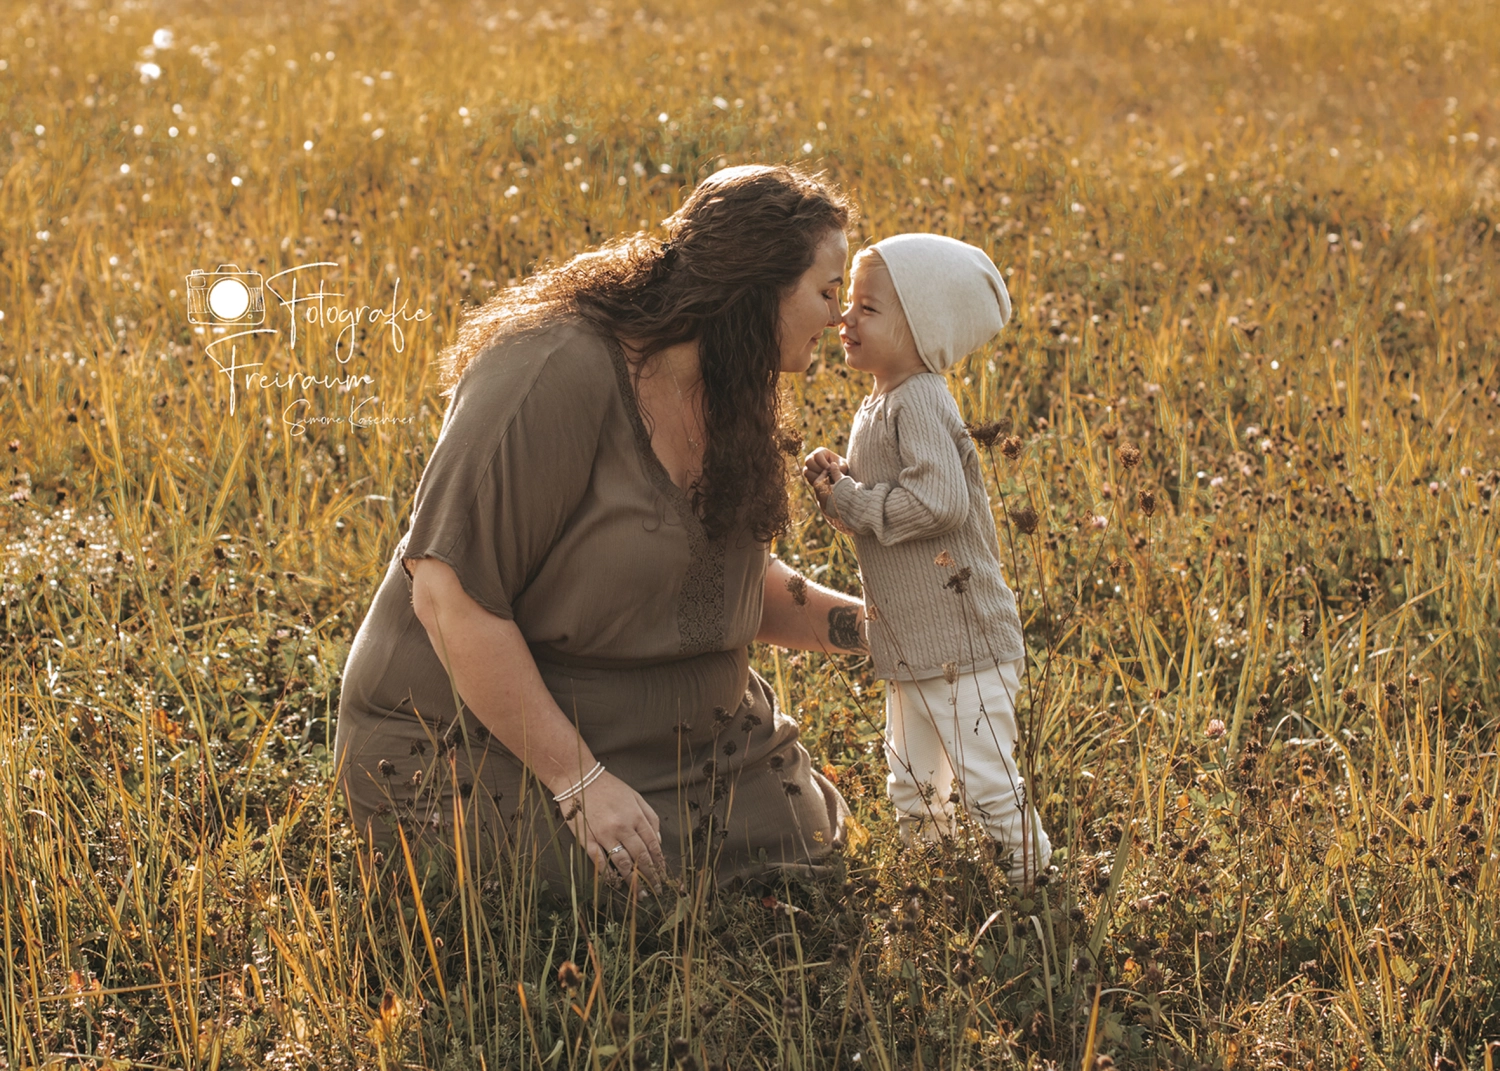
491, 667
825, 620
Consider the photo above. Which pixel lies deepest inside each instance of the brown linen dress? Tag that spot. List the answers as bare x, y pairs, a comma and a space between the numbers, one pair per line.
544, 496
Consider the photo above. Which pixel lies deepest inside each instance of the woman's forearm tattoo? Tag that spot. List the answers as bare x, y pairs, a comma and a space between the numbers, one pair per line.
843, 628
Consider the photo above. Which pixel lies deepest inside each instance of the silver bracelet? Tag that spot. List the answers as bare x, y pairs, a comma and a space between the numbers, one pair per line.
583, 783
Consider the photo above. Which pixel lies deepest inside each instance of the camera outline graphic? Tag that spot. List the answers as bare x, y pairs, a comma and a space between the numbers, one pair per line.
225, 297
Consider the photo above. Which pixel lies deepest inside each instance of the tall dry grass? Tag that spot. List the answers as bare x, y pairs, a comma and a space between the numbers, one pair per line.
1247, 468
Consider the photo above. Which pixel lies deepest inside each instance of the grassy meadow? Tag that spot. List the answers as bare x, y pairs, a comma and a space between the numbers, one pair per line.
1245, 468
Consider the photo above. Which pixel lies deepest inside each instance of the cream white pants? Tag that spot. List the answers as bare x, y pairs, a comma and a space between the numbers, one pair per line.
945, 741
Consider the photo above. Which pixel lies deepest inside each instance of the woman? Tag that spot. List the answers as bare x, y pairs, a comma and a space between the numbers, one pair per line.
557, 656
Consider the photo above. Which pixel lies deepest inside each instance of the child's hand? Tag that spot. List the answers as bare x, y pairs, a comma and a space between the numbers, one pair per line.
823, 462
822, 486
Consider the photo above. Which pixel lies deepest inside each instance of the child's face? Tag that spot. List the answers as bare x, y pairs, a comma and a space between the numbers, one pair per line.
874, 331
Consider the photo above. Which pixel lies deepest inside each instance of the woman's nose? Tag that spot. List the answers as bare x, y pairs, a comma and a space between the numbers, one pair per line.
834, 316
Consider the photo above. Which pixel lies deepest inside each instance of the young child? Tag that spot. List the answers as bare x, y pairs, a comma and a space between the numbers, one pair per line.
943, 627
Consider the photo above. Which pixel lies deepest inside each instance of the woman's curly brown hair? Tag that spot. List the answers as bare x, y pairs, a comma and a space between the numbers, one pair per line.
742, 240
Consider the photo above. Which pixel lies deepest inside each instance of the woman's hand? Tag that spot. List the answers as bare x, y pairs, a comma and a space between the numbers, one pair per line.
619, 831
494, 672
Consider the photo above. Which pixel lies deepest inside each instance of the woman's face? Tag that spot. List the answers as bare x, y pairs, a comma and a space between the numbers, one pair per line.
812, 305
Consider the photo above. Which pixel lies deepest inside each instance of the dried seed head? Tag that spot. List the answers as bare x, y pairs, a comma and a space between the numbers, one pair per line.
1462, 876
950, 672
387, 768
958, 583
797, 585
986, 434
790, 443
944, 560
1147, 500
1130, 456
1025, 519
1010, 446
568, 975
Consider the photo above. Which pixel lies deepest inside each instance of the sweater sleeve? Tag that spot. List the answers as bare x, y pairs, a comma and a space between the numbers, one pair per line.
512, 462
929, 497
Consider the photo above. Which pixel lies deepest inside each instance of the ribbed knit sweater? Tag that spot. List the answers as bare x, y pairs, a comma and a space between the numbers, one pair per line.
916, 489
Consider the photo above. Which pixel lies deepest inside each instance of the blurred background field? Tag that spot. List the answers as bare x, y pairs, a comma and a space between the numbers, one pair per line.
1245, 477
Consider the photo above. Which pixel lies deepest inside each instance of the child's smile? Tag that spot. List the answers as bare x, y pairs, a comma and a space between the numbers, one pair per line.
874, 330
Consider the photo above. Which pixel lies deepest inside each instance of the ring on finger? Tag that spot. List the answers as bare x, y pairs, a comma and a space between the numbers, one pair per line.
617, 848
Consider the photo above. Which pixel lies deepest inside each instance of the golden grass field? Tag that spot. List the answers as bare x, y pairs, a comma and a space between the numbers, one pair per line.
1252, 388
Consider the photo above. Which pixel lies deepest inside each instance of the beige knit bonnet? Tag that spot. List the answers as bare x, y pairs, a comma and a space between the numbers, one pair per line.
953, 296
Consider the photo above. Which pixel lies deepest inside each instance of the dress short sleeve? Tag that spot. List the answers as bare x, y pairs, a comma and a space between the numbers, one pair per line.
513, 459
